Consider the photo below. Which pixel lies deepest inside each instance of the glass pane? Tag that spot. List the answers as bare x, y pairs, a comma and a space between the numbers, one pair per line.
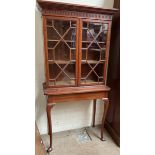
61, 74
61, 44
94, 35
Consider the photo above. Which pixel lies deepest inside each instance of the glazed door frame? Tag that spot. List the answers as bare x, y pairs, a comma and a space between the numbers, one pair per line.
46, 48
79, 27
106, 50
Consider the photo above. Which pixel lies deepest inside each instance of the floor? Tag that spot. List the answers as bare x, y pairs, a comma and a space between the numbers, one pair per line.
70, 143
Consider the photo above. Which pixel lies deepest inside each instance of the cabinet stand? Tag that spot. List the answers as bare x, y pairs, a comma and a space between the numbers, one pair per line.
56, 95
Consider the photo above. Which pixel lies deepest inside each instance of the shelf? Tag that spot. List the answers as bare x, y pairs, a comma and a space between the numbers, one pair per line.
74, 61
70, 27
66, 81
92, 61
54, 48
61, 62
63, 83
50, 48
100, 42
49, 26
93, 49
64, 40
90, 82
86, 28
73, 27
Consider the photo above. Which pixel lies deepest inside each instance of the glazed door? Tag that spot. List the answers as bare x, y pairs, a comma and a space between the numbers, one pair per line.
95, 40
61, 51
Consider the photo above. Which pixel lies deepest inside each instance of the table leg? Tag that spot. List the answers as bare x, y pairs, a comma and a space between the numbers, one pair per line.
106, 105
48, 109
94, 111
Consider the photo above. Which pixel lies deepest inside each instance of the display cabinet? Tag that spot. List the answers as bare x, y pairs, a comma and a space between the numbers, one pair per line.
76, 45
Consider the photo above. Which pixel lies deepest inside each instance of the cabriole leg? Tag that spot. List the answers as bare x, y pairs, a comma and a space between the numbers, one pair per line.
94, 111
48, 109
106, 105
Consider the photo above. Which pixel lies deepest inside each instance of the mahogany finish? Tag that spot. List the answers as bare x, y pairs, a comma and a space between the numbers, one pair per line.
76, 44
75, 90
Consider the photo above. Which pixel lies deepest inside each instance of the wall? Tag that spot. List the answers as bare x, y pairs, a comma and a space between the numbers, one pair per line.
65, 116
99, 3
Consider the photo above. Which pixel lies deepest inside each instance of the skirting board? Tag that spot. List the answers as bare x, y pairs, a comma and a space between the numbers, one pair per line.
112, 132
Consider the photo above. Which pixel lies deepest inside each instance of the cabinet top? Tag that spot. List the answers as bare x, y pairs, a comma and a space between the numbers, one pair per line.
51, 5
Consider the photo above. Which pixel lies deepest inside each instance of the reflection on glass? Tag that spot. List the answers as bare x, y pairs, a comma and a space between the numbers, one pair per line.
61, 44
94, 35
